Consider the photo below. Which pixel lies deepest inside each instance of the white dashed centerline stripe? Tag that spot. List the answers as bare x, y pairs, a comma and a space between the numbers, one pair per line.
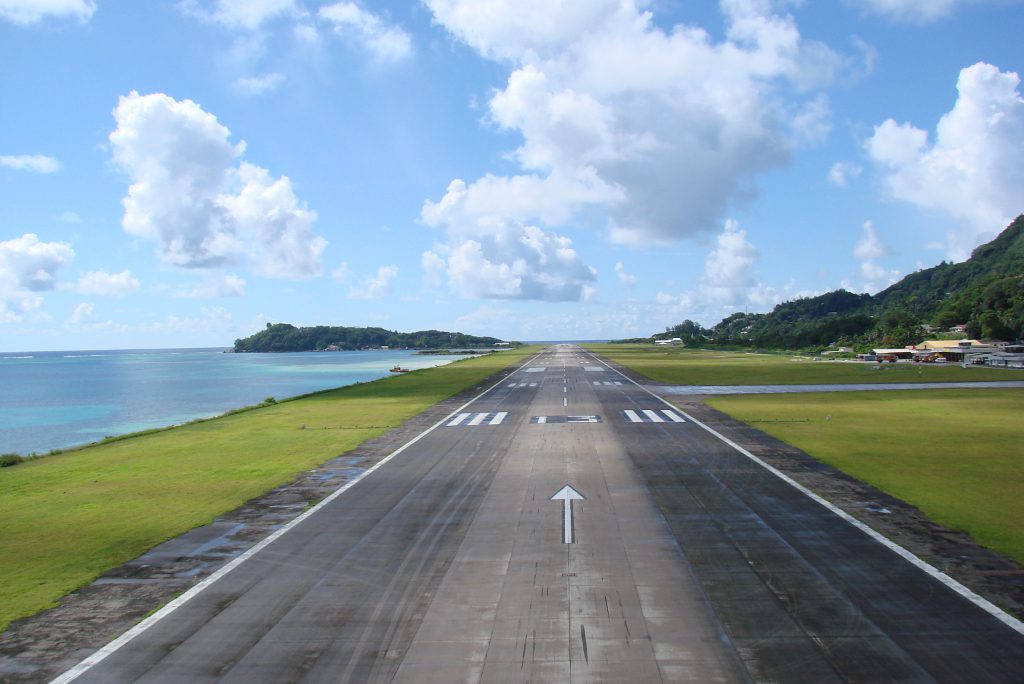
981, 602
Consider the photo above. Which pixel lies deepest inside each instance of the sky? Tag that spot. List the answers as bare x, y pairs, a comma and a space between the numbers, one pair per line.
179, 173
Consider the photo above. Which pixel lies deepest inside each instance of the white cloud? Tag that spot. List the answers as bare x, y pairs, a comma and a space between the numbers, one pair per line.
841, 173
869, 249
385, 44
812, 121
627, 279
28, 267
259, 85
911, 11
340, 272
25, 12
972, 170
107, 284
246, 15
377, 286
870, 245
70, 217
83, 313
215, 286
36, 163
728, 269
661, 130
511, 260
188, 195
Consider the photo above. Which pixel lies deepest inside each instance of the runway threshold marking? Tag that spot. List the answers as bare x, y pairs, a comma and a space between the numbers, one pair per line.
567, 495
979, 601
115, 645
477, 419
650, 416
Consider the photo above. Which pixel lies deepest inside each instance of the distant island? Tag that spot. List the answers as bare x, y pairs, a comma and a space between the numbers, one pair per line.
982, 298
284, 337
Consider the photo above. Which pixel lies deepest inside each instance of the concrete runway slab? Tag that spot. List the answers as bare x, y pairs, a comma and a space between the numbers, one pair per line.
688, 562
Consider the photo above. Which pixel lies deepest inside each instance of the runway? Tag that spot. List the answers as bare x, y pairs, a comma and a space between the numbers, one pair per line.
671, 557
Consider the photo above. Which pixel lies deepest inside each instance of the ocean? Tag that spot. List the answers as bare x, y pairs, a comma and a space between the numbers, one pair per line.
53, 400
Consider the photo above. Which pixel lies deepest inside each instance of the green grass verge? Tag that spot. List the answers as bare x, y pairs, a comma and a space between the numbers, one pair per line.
955, 454
702, 367
69, 517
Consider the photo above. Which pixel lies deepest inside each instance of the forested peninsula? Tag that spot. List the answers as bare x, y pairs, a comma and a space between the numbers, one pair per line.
283, 337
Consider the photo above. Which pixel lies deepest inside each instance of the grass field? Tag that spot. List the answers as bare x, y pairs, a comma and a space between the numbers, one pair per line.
699, 367
69, 517
958, 455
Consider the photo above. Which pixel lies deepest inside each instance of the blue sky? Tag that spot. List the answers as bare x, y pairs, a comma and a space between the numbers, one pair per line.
179, 173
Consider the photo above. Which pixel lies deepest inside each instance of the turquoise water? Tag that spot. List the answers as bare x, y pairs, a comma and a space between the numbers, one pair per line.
52, 400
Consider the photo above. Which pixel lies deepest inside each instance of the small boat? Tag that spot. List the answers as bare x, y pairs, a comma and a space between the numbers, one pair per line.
399, 369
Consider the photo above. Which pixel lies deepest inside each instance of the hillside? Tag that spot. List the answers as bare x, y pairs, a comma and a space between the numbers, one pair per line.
283, 337
985, 293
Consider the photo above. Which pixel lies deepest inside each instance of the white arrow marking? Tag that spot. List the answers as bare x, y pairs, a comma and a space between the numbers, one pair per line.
567, 495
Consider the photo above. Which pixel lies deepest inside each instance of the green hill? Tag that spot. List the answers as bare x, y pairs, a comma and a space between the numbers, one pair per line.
985, 293
283, 337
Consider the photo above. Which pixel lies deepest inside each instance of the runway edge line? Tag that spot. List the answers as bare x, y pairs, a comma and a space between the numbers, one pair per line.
111, 648
978, 600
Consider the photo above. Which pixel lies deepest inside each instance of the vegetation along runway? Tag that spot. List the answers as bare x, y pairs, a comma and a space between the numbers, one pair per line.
567, 525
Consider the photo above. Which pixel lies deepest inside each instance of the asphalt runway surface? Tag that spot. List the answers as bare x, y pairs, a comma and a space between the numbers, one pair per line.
684, 561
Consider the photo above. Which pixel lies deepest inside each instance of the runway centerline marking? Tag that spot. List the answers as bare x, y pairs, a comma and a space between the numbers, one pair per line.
103, 653
979, 601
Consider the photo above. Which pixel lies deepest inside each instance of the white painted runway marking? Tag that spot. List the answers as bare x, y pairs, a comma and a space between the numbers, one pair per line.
565, 402
673, 416
567, 495
115, 645
633, 418
542, 419
650, 416
548, 420
478, 419
534, 369
593, 369
930, 570
655, 418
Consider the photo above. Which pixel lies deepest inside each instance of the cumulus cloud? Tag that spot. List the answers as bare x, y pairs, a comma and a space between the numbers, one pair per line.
36, 163
512, 260
659, 130
870, 245
377, 286
28, 266
215, 286
25, 12
204, 208
627, 279
386, 44
107, 284
840, 173
340, 272
83, 313
728, 269
971, 170
869, 249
